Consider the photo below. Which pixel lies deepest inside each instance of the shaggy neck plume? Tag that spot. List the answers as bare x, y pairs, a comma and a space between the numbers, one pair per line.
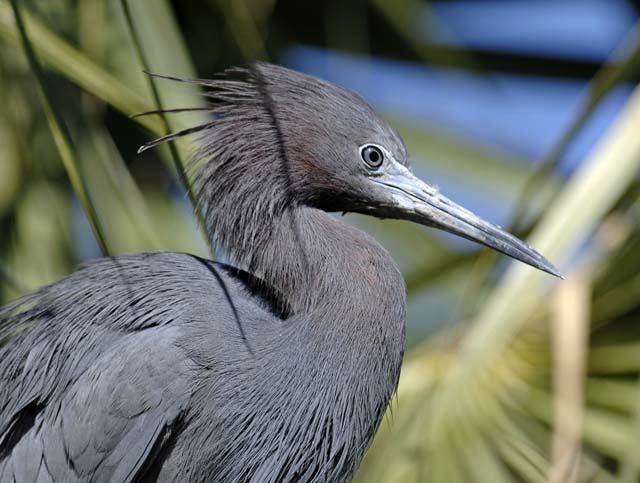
246, 193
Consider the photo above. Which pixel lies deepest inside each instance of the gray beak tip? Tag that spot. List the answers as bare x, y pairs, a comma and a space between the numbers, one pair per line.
551, 270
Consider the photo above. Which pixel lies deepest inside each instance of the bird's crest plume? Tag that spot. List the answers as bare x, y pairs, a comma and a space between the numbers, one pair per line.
243, 134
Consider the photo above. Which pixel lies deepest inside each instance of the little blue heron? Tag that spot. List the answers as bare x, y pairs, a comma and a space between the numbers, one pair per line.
275, 367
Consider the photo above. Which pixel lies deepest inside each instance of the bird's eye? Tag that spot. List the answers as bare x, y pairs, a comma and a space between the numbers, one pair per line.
372, 156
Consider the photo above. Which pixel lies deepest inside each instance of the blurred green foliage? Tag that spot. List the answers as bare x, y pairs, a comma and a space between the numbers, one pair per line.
526, 379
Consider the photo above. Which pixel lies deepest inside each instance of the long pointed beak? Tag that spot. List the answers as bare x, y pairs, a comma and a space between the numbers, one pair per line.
421, 203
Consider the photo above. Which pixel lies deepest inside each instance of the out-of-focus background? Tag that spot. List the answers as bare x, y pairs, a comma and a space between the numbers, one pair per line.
524, 111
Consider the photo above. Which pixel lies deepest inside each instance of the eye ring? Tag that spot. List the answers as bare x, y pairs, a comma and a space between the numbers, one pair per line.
372, 156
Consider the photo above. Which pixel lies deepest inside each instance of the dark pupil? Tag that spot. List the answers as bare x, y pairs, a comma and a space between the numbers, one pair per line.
373, 156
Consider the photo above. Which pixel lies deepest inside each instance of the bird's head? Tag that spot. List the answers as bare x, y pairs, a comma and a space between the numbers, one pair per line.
304, 141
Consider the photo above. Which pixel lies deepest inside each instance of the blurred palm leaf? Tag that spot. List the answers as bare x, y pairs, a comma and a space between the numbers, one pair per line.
623, 65
73, 64
61, 137
160, 36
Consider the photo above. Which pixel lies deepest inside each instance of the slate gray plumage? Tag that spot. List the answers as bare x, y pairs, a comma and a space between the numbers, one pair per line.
275, 368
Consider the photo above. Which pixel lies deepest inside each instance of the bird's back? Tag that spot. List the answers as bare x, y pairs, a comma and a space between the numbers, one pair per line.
100, 368
136, 369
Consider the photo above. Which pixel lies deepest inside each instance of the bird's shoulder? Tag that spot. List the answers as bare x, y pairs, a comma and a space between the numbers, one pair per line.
133, 292
98, 367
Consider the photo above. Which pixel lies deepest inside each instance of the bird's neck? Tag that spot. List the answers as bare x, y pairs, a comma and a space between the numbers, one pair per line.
311, 260
334, 363
335, 275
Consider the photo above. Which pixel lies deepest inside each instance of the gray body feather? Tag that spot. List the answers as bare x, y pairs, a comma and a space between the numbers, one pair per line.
134, 369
